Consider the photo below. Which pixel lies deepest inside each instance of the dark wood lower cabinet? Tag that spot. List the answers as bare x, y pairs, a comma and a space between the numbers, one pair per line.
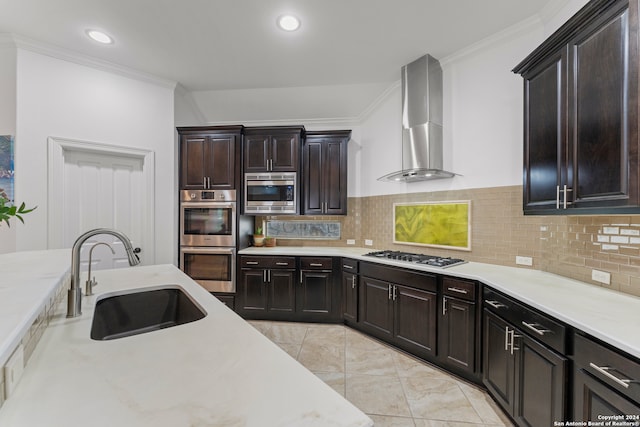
267, 293
350, 298
403, 316
314, 292
415, 320
593, 398
526, 378
457, 334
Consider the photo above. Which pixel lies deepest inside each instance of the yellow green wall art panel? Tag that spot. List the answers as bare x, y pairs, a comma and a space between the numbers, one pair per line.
439, 224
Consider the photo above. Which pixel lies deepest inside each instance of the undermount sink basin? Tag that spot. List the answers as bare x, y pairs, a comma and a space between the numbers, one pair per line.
141, 311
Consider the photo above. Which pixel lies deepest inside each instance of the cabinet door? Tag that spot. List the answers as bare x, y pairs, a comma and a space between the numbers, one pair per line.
284, 152
498, 363
193, 162
314, 293
457, 333
539, 383
335, 187
593, 398
376, 307
415, 320
544, 139
253, 291
350, 297
313, 178
256, 153
281, 291
220, 153
603, 90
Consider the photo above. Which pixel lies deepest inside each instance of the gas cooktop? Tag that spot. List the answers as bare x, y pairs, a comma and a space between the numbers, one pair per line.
430, 260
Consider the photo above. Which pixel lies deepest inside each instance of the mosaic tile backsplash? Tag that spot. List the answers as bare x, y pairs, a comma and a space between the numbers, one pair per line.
569, 246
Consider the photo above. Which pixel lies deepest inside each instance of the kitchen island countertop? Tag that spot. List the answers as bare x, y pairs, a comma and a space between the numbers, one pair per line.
217, 371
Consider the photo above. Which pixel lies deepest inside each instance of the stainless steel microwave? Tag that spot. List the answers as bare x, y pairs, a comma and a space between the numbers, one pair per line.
270, 193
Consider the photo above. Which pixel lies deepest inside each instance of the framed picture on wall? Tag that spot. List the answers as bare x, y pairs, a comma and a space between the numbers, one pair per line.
6, 168
444, 225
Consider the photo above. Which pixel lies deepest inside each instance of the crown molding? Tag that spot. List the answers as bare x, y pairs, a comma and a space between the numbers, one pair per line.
39, 47
523, 27
329, 123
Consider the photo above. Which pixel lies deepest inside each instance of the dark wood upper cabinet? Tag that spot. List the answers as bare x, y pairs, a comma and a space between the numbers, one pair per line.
272, 149
325, 172
208, 157
581, 114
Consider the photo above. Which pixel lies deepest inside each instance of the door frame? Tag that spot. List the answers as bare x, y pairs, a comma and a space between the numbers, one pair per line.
58, 148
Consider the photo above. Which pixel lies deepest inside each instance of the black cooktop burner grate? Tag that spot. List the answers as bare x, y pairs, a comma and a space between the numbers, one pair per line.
430, 260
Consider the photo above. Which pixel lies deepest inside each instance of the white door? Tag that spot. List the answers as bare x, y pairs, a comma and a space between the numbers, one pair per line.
101, 188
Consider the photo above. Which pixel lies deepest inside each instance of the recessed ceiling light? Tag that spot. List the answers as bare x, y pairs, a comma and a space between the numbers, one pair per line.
99, 36
288, 22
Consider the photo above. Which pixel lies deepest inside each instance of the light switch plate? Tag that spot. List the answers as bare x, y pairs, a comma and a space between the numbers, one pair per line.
601, 276
13, 371
368, 242
524, 260
351, 241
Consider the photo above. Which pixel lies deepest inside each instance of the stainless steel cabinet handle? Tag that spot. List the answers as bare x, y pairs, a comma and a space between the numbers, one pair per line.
532, 327
389, 288
251, 262
353, 282
282, 263
458, 290
566, 190
204, 182
348, 267
604, 370
444, 306
269, 275
315, 264
208, 182
513, 337
264, 276
300, 276
395, 289
557, 197
494, 304
507, 333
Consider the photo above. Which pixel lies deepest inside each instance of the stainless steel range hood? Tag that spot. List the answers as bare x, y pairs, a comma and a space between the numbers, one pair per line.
421, 123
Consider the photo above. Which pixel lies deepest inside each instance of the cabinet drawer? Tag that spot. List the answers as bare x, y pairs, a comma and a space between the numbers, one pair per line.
315, 263
267, 262
619, 371
400, 276
458, 288
350, 265
539, 326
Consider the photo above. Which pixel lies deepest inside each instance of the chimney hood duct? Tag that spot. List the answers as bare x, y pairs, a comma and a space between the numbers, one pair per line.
421, 123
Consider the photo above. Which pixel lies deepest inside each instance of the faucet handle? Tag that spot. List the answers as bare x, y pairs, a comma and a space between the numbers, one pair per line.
89, 284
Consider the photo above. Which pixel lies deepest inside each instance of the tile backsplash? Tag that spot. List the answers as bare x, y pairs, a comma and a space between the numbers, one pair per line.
569, 246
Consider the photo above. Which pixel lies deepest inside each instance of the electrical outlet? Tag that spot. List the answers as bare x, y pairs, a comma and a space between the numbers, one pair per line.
351, 241
13, 370
368, 242
601, 276
524, 260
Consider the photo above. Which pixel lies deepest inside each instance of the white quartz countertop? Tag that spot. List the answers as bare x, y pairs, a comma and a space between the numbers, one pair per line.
28, 282
611, 316
217, 371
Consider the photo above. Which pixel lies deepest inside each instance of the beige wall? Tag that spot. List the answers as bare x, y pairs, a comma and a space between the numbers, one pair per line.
570, 246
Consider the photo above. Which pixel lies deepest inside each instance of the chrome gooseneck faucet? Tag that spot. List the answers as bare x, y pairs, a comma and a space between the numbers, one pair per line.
90, 283
74, 296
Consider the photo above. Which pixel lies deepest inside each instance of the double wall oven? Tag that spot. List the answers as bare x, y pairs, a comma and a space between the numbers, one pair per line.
208, 238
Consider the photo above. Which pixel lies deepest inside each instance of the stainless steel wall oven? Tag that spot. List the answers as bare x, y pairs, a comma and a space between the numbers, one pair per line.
208, 238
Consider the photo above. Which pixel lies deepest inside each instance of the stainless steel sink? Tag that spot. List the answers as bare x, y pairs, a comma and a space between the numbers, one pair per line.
141, 311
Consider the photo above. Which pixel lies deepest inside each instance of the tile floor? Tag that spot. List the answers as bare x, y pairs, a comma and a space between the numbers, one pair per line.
394, 389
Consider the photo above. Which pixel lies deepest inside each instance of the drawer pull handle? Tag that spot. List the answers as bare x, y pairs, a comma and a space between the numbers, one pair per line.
251, 262
532, 327
458, 290
282, 263
350, 267
494, 304
315, 264
604, 370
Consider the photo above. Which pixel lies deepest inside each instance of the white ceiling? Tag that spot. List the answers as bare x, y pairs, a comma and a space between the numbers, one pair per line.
234, 44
